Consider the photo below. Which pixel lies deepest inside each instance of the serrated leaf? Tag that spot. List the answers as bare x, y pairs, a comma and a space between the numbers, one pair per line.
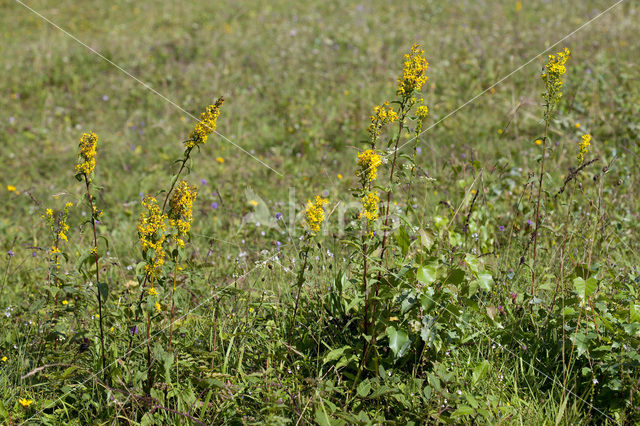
364, 388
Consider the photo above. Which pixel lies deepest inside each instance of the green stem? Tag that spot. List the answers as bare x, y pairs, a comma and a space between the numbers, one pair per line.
535, 232
95, 252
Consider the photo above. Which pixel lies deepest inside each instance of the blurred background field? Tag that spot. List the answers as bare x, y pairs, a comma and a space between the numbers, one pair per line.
299, 80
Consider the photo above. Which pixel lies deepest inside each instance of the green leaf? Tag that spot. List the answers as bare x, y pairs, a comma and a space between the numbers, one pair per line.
426, 274
585, 288
403, 240
398, 341
463, 410
480, 371
472, 262
322, 418
103, 288
485, 281
634, 312
455, 277
440, 222
335, 354
426, 239
364, 388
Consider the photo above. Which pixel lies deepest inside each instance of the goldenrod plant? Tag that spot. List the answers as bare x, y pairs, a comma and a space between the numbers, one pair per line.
369, 230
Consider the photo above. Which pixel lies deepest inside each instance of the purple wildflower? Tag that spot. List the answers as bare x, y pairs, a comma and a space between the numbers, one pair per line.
214, 205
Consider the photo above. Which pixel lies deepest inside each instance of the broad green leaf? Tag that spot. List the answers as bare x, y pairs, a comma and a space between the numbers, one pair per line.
426, 239
403, 240
426, 274
463, 410
335, 354
472, 262
585, 288
634, 312
398, 341
485, 281
440, 221
455, 277
480, 371
364, 388
103, 288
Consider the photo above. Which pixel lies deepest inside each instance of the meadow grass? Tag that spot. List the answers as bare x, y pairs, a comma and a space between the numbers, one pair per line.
269, 322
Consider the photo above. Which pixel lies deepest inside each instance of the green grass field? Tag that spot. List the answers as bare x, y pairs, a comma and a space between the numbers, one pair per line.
497, 281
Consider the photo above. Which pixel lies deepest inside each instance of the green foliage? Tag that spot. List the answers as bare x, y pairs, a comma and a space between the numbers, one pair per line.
252, 324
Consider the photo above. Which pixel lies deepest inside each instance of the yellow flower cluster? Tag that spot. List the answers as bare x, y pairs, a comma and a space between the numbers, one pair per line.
368, 162
314, 213
370, 204
87, 154
25, 402
59, 227
206, 125
422, 112
584, 147
151, 232
552, 76
413, 72
382, 114
181, 209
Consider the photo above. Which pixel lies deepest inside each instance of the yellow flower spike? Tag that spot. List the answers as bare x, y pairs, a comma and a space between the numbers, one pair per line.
181, 210
413, 73
552, 77
584, 145
206, 125
314, 214
152, 291
370, 204
422, 112
382, 115
87, 154
64, 302
151, 233
11, 188
158, 307
368, 162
